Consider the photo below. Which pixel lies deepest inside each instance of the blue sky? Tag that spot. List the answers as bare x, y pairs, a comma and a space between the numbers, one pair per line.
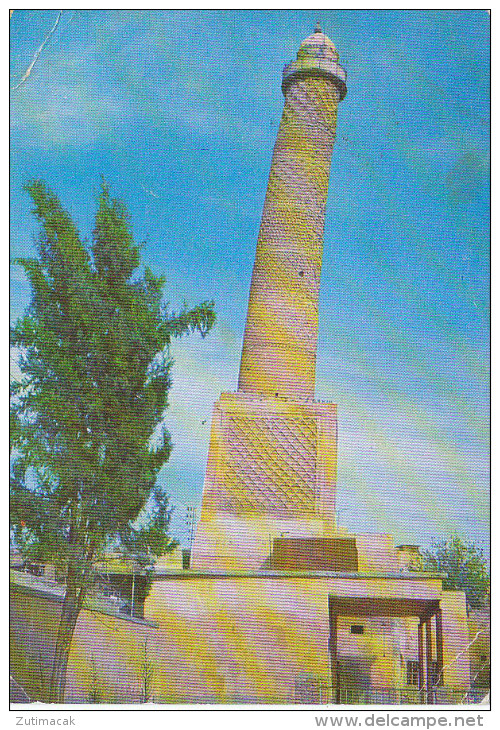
180, 109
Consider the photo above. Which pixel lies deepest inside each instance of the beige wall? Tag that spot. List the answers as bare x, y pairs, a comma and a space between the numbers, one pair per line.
252, 639
230, 640
479, 637
456, 646
106, 658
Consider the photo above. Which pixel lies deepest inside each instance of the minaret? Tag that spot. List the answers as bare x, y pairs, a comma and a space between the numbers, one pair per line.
272, 459
279, 349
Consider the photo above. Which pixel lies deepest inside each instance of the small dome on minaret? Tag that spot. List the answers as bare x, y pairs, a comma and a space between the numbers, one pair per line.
318, 45
317, 56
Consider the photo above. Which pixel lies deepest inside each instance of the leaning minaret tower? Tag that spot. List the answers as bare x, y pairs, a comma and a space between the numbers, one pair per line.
272, 459
279, 349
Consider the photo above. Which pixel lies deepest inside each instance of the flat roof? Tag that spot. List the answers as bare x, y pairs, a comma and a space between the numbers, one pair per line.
189, 574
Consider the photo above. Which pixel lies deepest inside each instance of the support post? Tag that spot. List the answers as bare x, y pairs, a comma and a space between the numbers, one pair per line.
428, 661
333, 658
420, 637
439, 647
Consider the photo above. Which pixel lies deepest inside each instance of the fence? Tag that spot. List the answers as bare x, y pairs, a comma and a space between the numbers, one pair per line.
316, 692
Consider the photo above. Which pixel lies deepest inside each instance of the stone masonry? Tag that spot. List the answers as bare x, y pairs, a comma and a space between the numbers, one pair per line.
272, 457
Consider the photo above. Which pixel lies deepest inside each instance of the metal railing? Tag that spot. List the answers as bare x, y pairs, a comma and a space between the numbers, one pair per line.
309, 691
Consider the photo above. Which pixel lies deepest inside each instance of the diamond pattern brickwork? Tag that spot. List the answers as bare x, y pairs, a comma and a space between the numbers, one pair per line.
279, 348
269, 465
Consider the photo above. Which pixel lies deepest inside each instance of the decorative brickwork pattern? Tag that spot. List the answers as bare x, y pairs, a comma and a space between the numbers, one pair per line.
270, 465
272, 460
279, 349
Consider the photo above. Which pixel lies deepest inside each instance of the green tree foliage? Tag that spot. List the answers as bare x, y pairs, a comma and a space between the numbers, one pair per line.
88, 438
466, 566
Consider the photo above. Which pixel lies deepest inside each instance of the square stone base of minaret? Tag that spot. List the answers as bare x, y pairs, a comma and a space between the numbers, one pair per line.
271, 473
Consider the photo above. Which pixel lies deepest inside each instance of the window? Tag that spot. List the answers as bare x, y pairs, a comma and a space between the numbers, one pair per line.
435, 677
357, 629
412, 673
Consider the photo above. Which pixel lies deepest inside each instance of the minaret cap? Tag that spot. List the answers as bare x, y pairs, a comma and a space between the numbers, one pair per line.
318, 45
317, 56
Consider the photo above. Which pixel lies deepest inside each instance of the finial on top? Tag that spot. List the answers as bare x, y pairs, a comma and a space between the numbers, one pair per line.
318, 27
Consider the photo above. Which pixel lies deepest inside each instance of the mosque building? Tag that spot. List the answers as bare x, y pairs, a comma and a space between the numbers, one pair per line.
279, 604
289, 606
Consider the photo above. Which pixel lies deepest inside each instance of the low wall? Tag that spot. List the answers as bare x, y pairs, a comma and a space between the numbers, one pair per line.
110, 655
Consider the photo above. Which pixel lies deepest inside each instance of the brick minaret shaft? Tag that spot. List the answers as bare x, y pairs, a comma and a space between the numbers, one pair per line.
279, 349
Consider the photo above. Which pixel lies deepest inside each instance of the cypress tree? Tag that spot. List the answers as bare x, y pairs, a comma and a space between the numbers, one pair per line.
87, 432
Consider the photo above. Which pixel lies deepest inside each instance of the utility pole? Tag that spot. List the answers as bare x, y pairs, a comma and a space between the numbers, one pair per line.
190, 524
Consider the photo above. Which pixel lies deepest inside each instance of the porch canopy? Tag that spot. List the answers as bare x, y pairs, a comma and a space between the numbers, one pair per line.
423, 608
